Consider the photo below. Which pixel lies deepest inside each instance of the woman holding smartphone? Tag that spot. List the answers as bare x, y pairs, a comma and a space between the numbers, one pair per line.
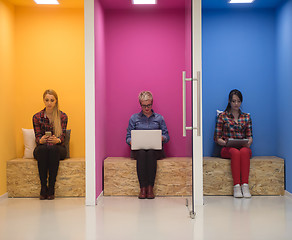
50, 128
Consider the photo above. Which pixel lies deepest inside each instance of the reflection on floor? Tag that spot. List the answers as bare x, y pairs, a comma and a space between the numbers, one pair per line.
126, 218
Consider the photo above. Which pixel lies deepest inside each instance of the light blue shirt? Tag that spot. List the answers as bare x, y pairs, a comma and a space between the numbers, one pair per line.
139, 121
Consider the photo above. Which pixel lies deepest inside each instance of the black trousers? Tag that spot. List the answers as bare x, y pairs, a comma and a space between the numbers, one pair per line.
48, 158
147, 165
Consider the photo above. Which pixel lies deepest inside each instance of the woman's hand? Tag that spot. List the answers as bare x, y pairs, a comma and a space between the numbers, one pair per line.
53, 139
43, 139
221, 142
249, 142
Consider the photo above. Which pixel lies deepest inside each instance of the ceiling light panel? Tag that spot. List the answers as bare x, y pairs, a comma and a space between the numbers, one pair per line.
241, 1
144, 1
46, 2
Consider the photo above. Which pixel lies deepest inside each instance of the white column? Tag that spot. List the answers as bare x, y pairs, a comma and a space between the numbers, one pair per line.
89, 102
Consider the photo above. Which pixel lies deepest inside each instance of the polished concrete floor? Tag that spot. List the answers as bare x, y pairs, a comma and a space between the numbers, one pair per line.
127, 218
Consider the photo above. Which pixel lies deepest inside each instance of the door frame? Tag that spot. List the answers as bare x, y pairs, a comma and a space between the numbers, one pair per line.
197, 67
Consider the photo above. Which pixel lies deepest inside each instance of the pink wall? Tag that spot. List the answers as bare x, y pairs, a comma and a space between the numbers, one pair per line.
100, 92
145, 50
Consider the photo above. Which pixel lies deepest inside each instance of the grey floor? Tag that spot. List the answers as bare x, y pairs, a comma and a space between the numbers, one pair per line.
130, 218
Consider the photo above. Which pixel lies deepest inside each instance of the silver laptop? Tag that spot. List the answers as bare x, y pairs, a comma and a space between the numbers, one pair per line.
146, 139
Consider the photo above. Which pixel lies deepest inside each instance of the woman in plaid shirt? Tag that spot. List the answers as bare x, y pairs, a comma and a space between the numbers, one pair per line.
233, 123
50, 128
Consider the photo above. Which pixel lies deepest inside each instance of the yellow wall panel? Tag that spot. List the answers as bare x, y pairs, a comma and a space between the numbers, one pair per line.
7, 117
49, 47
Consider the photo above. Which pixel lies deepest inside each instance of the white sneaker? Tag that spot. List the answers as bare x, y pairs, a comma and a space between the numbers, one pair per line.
245, 190
237, 191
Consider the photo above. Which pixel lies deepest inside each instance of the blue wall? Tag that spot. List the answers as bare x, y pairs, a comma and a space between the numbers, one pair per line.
239, 50
284, 90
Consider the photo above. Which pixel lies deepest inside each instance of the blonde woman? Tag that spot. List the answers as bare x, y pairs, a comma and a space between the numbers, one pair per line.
50, 128
146, 165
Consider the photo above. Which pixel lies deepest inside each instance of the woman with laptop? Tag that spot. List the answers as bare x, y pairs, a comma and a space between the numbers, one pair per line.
232, 127
147, 158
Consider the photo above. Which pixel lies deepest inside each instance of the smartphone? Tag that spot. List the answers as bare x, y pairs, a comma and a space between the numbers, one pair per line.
48, 134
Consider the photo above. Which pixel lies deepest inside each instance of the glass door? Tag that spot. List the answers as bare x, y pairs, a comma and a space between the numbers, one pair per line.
192, 89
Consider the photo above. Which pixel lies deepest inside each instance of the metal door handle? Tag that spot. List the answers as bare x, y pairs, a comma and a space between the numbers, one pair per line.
198, 80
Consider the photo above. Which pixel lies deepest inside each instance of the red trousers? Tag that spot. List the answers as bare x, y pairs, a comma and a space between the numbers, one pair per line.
240, 162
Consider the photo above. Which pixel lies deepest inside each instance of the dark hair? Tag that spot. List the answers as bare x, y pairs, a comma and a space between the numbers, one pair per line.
233, 92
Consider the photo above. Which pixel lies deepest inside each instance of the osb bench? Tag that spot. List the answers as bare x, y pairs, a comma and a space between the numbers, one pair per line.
23, 178
173, 176
266, 176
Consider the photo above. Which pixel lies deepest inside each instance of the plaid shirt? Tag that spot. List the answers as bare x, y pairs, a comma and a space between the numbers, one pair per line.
226, 127
41, 124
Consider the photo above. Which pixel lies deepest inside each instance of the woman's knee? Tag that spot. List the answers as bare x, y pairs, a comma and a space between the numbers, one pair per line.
235, 155
140, 154
231, 153
245, 151
54, 149
151, 153
40, 151
58, 151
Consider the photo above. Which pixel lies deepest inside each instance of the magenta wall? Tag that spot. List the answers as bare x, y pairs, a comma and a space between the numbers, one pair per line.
144, 50
100, 93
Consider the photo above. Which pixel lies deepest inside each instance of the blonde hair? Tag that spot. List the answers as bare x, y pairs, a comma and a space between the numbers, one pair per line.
145, 96
56, 118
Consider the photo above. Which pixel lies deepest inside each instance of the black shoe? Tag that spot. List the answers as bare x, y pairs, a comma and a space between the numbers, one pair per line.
44, 193
51, 197
51, 193
51, 190
150, 193
143, 193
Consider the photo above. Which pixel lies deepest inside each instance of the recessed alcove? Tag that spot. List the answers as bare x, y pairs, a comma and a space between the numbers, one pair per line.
247, 48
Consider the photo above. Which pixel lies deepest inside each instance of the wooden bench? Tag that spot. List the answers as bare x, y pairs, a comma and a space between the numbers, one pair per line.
23, 178
266, 176
173, 176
